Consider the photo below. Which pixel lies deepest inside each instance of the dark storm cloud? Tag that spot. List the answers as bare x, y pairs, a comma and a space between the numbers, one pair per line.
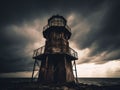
15, 12
104, 35
108, 36
12, 55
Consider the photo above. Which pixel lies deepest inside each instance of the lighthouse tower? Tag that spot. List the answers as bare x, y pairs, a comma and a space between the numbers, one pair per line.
54, 60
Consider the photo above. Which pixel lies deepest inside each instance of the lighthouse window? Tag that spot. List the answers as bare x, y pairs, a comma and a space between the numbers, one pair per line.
57, 22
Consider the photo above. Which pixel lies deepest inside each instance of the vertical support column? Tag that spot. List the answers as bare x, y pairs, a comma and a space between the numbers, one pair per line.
36, 63
33, 70
75, 71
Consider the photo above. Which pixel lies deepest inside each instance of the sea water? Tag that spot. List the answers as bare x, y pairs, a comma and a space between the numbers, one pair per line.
100, 81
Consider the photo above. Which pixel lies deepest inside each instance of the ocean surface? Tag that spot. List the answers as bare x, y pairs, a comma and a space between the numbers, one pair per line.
90, 81
100, 81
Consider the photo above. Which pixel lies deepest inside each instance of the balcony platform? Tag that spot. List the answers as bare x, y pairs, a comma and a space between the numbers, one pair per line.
39, 54
43, 56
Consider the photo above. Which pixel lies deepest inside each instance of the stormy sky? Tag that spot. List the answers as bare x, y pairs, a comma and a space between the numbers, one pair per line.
95, 34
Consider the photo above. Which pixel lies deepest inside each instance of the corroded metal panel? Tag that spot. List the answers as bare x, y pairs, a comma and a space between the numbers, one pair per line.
56, 69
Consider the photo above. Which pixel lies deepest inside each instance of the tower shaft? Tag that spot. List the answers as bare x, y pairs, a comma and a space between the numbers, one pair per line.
56, 69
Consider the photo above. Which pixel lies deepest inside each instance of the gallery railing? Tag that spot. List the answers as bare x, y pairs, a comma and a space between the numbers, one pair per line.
41, 51
48, 26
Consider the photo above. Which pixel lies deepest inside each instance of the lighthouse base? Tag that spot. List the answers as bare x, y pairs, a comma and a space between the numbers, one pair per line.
55, 69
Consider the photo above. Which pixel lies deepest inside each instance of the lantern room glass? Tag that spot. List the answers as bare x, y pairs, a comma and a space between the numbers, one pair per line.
57, 22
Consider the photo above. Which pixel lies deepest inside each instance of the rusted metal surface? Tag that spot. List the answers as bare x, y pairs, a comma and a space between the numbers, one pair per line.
56, 56
56, 69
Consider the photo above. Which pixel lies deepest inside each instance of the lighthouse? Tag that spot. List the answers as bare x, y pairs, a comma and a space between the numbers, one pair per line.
55, 61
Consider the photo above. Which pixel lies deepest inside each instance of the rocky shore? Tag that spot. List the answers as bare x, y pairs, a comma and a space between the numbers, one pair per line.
64, 86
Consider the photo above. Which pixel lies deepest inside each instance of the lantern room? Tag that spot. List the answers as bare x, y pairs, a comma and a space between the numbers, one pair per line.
57, 24
57, 21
